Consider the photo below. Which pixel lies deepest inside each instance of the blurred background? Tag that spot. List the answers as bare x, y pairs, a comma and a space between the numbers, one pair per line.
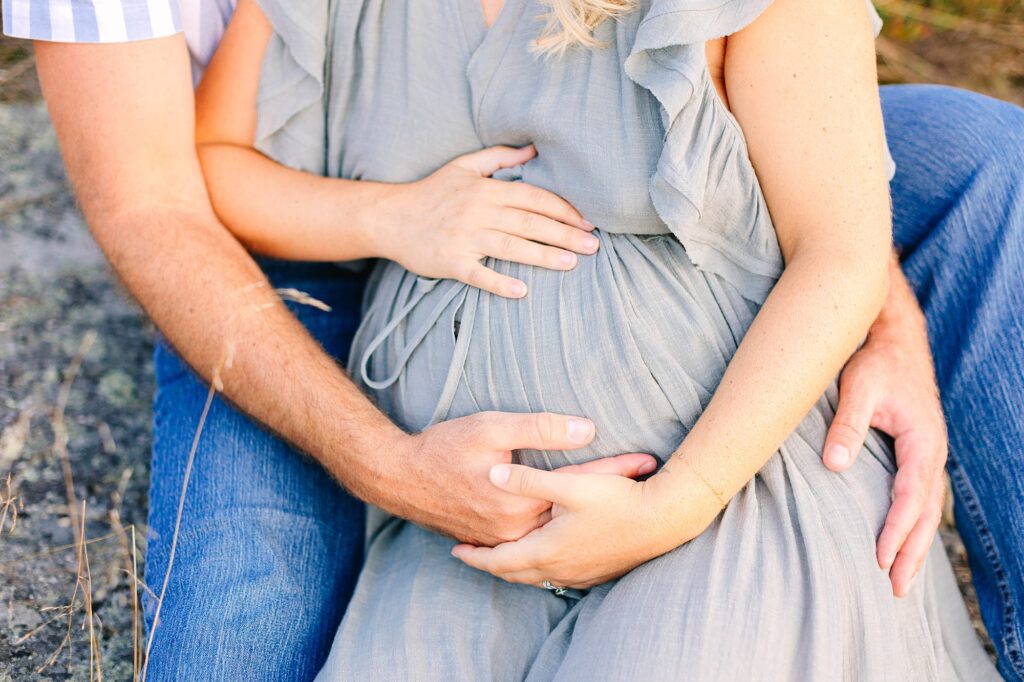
76, 378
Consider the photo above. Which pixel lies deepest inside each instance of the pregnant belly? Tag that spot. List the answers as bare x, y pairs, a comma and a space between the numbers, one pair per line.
635, 338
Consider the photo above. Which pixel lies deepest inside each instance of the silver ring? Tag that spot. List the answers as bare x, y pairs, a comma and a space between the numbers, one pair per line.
559, 591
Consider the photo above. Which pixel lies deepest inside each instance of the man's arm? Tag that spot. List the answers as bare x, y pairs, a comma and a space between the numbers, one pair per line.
124, 116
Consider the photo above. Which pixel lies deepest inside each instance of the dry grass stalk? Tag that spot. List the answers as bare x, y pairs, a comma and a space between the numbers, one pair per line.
136, 615
83, 579
9, 505
177, 524
60, 432
129, 554
301, 297
95, 655
71, 608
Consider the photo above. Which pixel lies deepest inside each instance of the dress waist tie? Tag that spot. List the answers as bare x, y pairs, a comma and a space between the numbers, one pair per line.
470, 298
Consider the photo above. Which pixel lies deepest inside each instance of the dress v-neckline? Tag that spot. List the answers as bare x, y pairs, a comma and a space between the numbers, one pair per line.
474, 23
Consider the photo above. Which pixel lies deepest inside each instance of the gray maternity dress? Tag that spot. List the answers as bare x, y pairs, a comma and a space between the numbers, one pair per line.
784, 584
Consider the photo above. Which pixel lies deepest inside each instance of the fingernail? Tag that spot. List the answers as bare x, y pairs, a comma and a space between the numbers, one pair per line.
500, 474
838, 455
518, 290
590, 243
587, 225
580, 430
647, 468
568, 259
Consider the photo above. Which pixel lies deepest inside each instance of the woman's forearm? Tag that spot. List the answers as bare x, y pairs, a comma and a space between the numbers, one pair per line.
284, 213
801, 82
809, 326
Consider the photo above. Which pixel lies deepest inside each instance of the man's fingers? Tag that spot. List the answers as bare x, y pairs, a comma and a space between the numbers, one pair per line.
849, 428
914, 551
630, 465
487, 162
534, 431
910, 491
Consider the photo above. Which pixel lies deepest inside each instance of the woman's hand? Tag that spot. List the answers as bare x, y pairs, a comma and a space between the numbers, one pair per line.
602, 526
444, 225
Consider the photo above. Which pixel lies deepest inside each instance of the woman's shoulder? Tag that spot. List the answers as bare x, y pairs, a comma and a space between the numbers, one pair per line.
693, 22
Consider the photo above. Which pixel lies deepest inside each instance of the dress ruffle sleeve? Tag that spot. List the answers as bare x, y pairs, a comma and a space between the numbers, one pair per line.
291, 110
704, 158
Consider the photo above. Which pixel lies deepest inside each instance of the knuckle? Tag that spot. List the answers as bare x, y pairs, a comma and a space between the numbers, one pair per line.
536, 196
528, 223
507, 245
479, 425
910, 490
545, 426
845, 433
526, 480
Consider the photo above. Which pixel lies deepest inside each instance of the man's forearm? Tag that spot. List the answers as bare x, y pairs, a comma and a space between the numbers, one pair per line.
124, 119
901, 312
218, 310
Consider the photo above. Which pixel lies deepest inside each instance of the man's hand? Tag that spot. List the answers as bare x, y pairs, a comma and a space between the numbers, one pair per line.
439, 478
889, 384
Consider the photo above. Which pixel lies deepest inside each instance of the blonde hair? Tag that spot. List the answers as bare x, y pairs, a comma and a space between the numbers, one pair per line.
572, 22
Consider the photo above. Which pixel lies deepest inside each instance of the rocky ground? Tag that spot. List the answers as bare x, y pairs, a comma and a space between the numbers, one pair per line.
59, 305
75, 363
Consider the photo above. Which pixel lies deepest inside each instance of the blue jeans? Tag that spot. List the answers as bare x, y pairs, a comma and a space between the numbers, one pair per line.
270, 547
958, 203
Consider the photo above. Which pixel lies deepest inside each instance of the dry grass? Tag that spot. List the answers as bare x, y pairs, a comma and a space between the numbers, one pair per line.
973, 44
78, 613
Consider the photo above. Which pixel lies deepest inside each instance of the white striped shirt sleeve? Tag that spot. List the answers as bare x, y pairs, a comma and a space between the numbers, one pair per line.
91, 21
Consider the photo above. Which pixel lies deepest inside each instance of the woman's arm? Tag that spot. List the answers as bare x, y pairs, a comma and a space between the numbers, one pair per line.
801, 82
440, 226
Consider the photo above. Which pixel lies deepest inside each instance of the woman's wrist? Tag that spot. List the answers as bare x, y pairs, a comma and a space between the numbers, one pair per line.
681, 501
379, 218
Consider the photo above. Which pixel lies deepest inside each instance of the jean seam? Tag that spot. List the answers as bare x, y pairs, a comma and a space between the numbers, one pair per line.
1009, 637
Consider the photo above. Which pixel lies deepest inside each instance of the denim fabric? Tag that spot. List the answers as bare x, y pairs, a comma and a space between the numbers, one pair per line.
958, 199
270, 545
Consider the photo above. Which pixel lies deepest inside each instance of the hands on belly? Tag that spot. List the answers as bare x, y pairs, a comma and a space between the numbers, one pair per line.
441, 482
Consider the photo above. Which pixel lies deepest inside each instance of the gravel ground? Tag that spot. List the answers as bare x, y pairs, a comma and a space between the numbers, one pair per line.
57, 294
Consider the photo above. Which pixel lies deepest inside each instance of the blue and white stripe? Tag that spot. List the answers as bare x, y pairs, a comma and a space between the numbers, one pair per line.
91, 21
115, 21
